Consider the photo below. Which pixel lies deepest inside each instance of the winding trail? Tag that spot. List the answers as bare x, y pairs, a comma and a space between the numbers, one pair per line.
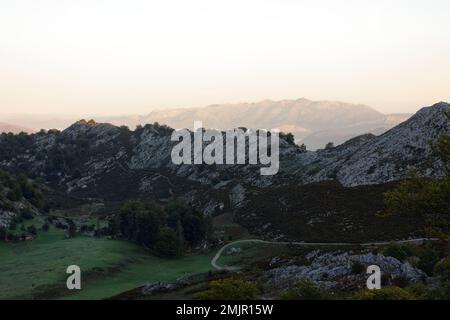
310, 244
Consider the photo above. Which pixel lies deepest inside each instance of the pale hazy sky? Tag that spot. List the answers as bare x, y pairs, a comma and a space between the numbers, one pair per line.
129, 56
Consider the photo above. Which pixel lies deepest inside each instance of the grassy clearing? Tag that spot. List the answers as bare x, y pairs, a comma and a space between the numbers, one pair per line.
36, 269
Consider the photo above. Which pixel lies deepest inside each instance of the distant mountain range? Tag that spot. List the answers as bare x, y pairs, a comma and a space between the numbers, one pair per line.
314, 123
6, 127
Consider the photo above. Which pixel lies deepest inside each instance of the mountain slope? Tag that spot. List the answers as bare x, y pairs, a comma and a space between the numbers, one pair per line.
387, 157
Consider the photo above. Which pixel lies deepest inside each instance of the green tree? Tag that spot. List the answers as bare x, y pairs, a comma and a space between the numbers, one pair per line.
32, 230
168, 244
194, 228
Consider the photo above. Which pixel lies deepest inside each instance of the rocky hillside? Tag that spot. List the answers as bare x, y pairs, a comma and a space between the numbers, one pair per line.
20, 198
99, 160
314, 123
388, 157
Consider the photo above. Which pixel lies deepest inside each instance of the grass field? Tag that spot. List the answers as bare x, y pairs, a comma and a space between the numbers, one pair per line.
37, 268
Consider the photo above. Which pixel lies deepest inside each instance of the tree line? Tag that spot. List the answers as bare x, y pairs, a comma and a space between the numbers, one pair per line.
167, 230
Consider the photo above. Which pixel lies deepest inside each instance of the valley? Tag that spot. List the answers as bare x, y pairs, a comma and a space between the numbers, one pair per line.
111, 201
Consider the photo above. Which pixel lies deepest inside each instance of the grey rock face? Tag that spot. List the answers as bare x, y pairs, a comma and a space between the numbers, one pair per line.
5, 218
327, 269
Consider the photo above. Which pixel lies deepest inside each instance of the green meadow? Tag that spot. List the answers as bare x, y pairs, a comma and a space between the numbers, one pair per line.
36, 269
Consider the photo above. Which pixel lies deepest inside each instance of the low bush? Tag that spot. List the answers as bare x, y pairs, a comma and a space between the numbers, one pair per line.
389, 293
306, 289
229, 289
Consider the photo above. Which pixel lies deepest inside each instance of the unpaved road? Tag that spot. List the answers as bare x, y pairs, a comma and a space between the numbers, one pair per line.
310, 244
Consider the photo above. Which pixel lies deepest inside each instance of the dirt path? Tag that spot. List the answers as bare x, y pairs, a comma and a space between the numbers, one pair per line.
309, 244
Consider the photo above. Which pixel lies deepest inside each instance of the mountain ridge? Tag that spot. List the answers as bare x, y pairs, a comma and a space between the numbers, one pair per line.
313, 123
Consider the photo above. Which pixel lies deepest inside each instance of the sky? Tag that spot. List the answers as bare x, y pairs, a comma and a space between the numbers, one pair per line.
129, 56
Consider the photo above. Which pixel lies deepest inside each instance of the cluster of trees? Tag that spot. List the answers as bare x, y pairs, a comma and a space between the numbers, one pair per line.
13, 144
167, 230
15, 188
67, 152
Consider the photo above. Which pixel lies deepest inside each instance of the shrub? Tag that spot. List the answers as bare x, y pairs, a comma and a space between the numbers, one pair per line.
427, 260
3, 233
45, 227
398, 252
32, 230
442, 268
390, 293
419, 290
26, 214
229, 289
306, 289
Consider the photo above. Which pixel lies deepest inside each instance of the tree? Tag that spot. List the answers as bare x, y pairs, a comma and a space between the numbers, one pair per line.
3, 233
194, 228
329, 145
45, 227
140, 223
32, 230
168, 244
289, 137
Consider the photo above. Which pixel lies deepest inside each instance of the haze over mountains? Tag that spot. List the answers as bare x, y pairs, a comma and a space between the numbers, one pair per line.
314, 123
7, 127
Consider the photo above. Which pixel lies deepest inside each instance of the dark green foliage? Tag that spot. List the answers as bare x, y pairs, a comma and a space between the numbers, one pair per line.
13, 144
428, 259
19, 188
398, 252
26, 214
229, 289
389, 293
419, 196
194, 228
140, 223
163, 229
306, 289
168, 244
32, 230
289, 137
45, 227
13, 226
3, 233
442, 268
